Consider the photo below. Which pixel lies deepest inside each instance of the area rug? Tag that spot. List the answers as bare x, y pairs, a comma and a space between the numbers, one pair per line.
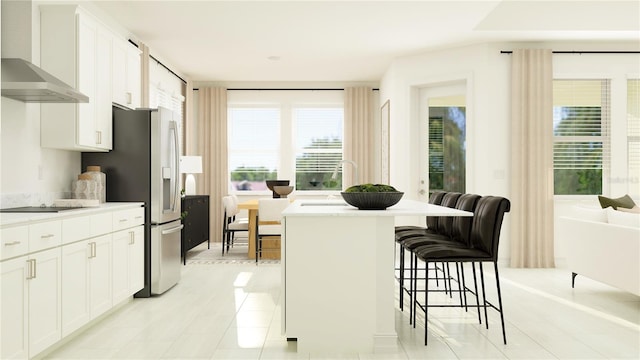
201, 255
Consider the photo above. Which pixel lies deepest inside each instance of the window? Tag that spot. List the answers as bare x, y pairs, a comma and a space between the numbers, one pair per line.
447, 137
318, 147
581, 136
288, 135
253, 146
633, 130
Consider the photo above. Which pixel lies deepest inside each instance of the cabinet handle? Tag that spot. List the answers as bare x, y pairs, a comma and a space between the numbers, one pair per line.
98, 137
123, 220
47, 236
31, 274
12, 243
128, 98
92, 250
132, 238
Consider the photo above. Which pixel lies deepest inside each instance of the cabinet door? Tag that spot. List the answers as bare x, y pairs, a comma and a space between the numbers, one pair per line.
45, 292
103, 89
134, 81
87, 47
14, 303
136, 260
119, 68
75, 286
120, 263
100, 275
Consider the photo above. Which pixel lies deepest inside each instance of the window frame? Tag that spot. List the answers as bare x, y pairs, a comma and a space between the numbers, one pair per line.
605, 137
287, 101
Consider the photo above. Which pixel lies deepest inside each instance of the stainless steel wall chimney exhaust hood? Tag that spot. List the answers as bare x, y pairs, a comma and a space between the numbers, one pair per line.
21, 80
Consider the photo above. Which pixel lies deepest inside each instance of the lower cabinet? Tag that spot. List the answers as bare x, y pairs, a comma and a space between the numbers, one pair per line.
86, 291
31, 314
76, 307
100, 275
52, 291
128, 263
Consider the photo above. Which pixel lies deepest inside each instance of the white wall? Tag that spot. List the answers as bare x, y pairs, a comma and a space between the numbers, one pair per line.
30, 175
487, 71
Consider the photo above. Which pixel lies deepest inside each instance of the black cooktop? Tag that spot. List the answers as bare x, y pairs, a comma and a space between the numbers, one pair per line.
37, 209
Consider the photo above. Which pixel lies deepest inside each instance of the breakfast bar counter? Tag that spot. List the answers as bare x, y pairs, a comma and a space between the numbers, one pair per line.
338, 274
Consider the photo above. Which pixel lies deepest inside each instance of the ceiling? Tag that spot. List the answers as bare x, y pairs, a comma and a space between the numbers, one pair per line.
349, 41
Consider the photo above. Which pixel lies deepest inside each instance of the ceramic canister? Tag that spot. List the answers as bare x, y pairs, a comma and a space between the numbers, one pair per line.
101, 181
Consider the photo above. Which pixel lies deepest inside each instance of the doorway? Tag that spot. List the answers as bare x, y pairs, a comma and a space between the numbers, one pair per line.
443, 134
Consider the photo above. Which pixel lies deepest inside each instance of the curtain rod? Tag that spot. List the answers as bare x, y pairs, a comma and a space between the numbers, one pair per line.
583, 52
169, 70
287, 89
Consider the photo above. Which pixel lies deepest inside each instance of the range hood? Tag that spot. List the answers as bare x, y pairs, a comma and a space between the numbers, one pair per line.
21, 80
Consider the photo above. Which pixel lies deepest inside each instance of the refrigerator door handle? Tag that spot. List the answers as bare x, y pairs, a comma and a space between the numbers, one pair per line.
172, 230
176, 165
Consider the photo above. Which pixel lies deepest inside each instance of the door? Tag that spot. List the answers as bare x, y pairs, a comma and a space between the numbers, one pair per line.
443, 139
165, 150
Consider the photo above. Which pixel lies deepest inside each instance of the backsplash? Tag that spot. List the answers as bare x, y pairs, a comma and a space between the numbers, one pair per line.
31, 199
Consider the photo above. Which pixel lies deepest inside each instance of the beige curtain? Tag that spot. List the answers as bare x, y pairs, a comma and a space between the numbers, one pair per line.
212, 146
532, 159
359, 145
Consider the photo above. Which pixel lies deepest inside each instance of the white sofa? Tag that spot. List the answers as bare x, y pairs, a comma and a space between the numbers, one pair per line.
604, 245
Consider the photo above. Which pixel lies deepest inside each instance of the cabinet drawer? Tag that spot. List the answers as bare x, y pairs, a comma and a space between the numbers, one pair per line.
14, 242
101, 223
125, 219
45, 235
75, 229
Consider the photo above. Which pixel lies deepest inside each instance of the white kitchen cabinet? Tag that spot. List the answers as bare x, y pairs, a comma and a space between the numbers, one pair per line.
76, 307
128, 253
31, 313
100, 284
13, 280
57, 275
45, 289
128, 263
136, 261
126, 74
76, 48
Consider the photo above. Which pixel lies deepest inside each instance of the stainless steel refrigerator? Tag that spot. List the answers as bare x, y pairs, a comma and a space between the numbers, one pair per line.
143, 166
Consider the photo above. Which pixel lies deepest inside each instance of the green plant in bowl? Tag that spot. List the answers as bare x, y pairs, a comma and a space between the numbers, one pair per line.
374, 188
372, 196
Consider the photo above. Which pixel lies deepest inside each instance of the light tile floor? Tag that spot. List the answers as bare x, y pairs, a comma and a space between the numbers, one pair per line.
232, 311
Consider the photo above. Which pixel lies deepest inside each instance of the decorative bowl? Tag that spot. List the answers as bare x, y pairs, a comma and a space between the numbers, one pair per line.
283, 191
372, 200
272, 183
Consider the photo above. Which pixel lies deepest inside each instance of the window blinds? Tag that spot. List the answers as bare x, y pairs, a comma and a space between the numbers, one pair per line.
581, 124
318, 139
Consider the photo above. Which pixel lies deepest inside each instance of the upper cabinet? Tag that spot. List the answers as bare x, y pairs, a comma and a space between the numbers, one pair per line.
126, 83
75, 47
80, 50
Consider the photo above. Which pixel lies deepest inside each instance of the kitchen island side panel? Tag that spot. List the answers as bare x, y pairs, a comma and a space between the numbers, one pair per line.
339, 284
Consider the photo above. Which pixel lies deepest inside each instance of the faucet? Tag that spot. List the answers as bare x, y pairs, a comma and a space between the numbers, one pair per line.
355, 168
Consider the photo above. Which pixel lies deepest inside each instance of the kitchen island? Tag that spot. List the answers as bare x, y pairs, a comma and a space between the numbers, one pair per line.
338, 274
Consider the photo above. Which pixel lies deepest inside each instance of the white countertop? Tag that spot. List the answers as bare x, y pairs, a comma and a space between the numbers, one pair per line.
19, 218
338, 207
